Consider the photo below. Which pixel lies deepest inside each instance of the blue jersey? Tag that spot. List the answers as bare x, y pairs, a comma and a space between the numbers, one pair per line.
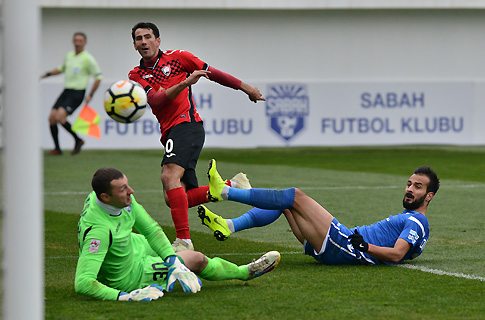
411, 226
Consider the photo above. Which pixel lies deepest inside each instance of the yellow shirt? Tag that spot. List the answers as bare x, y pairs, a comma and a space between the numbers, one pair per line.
78, 68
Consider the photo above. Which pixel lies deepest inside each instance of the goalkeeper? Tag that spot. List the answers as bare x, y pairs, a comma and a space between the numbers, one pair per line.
117, 264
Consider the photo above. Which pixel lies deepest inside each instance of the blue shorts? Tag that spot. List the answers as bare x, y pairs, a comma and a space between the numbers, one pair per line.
336, 249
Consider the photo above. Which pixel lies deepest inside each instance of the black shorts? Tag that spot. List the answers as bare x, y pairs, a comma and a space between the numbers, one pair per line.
70, 100
183, 145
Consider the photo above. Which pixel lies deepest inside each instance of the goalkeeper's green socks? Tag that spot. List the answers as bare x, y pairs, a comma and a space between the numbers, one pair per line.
220, 269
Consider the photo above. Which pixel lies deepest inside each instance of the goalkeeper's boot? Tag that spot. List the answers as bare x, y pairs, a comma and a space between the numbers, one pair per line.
240, 181
216, 183
217, 224
263, 265
180, 245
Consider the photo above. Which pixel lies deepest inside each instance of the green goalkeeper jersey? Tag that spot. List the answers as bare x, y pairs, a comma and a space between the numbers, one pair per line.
111, 256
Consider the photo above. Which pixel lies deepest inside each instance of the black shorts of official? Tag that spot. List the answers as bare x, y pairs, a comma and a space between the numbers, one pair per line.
70, 100
183, 145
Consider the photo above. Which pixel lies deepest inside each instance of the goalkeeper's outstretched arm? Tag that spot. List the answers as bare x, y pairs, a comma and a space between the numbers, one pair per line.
86, 283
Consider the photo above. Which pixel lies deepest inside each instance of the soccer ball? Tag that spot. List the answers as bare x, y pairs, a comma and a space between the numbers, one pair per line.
125, 101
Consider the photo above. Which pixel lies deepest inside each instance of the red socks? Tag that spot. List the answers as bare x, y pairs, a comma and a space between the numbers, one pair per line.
179, 209
180, 202
197, 196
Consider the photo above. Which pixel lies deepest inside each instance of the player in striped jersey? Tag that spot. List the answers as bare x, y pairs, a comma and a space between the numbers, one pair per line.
390, 241
167, 77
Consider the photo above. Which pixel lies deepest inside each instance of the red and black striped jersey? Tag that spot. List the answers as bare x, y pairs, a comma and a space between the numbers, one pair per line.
171, 67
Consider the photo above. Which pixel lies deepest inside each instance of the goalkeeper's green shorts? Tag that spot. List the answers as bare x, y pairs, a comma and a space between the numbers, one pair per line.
154, 271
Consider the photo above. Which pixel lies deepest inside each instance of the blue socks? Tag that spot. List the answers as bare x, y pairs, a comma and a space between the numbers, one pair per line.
263, 198
255, 217
269, 204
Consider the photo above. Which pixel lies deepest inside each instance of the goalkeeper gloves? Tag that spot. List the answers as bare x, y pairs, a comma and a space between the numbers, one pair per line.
177, 271
149, 293
357, 241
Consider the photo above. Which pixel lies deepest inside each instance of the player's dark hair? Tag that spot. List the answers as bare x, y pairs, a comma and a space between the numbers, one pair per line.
82, 34
102, 178
434, 182
145, 25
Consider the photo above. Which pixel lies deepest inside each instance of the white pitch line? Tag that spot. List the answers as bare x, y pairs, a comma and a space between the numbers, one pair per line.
304, 188
469, 186
409, 266
441, 272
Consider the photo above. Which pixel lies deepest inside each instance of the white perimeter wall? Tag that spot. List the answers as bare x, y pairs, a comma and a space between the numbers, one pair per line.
378, 51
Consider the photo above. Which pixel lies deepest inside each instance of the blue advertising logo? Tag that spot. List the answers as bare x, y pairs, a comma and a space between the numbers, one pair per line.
287, 106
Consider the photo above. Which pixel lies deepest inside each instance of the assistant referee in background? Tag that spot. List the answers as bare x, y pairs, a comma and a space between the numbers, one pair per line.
78, 66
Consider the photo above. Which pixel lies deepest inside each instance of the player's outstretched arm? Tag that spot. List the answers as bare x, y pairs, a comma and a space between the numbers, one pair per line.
230, 81
253, 92
50, 73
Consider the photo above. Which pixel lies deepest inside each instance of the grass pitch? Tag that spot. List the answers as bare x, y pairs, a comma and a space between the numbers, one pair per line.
357, 185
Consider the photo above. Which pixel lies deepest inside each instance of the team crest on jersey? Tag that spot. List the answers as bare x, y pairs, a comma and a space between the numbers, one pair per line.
94, 246
166, 70
287, 106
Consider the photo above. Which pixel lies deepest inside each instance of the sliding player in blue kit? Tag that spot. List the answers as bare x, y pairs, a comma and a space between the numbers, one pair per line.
390, 241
